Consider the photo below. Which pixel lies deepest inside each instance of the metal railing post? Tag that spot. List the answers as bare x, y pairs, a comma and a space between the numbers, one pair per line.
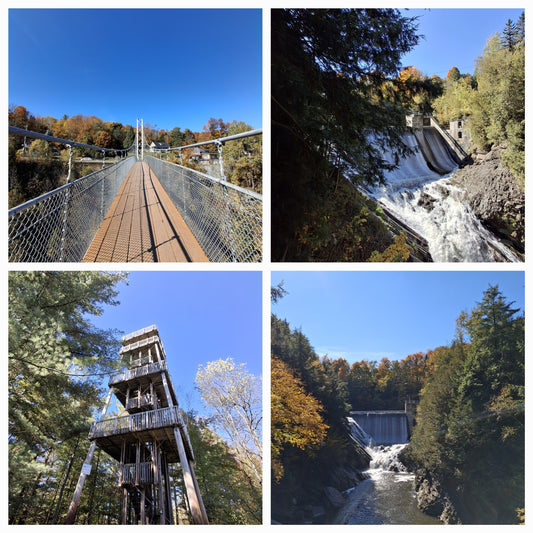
137, 140
221, 160
65, 208
226, 203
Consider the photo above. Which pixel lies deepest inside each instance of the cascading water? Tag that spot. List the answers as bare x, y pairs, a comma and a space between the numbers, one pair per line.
431, 205
387, 496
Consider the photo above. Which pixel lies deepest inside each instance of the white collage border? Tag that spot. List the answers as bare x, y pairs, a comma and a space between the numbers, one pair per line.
266, 267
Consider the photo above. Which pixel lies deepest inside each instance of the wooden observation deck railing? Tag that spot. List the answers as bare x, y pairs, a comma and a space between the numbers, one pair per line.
139, 402
138, 372
169, 417
145, 421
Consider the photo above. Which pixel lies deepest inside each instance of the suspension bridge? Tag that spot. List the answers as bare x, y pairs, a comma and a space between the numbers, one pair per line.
141, 208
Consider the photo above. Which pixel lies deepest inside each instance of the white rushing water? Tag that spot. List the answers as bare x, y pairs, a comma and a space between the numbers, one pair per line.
388, 495
428, 203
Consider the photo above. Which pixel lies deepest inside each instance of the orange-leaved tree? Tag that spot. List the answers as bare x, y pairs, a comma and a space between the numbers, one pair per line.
296, 419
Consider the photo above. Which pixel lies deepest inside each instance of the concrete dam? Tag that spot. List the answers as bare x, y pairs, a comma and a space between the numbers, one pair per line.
380, 427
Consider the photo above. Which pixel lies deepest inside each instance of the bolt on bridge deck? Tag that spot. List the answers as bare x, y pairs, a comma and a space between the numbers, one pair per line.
143, 225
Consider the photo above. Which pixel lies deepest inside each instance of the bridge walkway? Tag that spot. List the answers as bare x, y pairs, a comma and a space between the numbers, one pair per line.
143, 225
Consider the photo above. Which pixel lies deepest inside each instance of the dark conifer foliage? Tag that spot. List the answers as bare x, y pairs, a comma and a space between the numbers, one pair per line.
328, 68
470, 430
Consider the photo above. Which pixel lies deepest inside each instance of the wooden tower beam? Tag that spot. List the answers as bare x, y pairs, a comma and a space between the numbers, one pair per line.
85, 471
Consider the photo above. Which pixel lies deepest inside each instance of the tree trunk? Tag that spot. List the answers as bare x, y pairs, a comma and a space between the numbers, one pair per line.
63, 485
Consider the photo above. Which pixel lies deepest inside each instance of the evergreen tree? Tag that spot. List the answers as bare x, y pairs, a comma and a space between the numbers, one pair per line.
470, 430
521, 27
56, 361
495, 357
510, 35
328, 68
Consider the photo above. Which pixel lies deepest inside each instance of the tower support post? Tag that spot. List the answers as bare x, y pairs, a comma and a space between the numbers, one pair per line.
85, 471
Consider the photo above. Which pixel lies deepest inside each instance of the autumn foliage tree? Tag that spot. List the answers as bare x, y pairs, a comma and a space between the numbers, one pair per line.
296, 419
233, 397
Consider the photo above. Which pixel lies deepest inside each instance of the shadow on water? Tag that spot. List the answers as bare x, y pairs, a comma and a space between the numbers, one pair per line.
385, 498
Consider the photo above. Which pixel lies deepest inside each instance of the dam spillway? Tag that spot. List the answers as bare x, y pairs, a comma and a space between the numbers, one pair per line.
420, 193
383, 427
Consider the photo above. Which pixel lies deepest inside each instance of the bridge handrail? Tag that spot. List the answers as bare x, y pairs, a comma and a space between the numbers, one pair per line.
27, 133
225, 219
59, 225
29, 203
201, 176
222, 140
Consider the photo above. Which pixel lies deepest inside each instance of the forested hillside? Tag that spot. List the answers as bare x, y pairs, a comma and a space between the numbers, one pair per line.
40, 166
469, 438
469, 435
58, 369
492, 100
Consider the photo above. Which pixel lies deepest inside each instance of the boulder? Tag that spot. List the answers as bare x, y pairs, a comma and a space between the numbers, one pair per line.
333, 499
430, 501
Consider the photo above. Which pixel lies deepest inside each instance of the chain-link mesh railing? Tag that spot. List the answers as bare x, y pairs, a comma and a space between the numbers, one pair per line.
60, 225
225, 219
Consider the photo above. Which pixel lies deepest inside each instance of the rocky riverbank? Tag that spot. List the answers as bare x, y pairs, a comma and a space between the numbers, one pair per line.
451, 502
433, 498
495, 195
321, 496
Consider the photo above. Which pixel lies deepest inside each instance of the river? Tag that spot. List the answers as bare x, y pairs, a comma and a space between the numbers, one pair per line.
387, 496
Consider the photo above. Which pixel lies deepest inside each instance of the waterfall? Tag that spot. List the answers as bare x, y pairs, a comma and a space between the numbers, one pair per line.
427, 201
387, 496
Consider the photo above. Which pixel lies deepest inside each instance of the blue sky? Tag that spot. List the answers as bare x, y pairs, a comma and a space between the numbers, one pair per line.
171, 67
201, 317
369, 315
454, 37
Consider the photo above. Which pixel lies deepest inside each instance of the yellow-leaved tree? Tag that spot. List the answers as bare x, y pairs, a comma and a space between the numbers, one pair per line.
296, 419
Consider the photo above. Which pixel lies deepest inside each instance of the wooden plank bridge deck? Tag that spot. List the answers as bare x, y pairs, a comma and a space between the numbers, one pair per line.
143, 225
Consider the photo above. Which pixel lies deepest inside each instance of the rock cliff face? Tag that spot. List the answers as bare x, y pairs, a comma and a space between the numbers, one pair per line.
433, 498
495, 196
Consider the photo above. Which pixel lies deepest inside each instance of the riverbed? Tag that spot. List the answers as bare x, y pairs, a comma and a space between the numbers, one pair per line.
388, 495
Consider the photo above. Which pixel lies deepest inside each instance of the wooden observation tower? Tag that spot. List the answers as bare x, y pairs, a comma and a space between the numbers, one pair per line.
148, 436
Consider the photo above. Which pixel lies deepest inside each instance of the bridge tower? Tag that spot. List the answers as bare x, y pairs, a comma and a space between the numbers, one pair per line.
148, 436
139, 139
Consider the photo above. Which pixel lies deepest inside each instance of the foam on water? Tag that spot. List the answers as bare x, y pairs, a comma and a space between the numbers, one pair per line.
428, 203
